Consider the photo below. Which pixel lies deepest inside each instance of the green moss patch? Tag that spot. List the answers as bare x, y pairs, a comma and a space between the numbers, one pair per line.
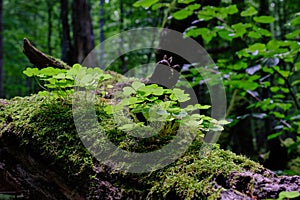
45, 128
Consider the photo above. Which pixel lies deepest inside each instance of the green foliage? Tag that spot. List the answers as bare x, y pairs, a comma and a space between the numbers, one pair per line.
259, 61
264, 19
186, 12
152, 104
249, 12
259, 64
145, 3
288, 195
191, 176
26, 20
61, 82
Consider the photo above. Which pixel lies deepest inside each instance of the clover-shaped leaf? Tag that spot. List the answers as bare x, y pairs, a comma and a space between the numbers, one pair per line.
127, 91
178, 94
136, 85
31, 72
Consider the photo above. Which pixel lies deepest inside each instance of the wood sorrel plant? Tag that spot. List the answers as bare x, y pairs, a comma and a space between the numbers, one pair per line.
61, 82
145, 109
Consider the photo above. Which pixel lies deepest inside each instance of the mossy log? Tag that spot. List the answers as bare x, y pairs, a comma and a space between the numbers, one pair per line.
42, 156
41, 150
40, 59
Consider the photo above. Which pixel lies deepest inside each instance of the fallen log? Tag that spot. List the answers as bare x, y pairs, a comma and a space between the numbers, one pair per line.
40, 59
43, 130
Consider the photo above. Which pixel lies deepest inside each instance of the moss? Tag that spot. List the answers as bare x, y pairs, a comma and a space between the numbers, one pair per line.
198, 177
45, 127
294, 166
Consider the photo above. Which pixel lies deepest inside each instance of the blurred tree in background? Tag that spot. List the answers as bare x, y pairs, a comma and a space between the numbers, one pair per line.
2, 92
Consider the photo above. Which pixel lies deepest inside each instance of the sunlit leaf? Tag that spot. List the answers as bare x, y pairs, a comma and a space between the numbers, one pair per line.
239, 65
253, 34
289, 195
159, 5
145, 3
223, 122
157, 91
274, 89
182, 14
185, 1
43, 93
60, 76
273, 44
264, 32
207, 13
268, 70
295, 21
127, 91
186, 12
205, 33
204, 107
249, 12
50, 71
180, 95
296, 82
136, 85
232, 9
240, 29
293, 35
257, 47
274, 135
226, 35
133, 100
278, 115
31, 72
245, 85
264, 19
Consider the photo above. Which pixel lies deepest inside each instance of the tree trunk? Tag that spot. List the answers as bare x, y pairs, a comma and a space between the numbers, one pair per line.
180, 26
101, 25
2, 93
83, 35
121, 56
49, 10
67, 49
40, 59
264, 10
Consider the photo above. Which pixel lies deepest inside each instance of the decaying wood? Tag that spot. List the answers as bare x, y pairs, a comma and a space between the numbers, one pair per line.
40, 59
165, 73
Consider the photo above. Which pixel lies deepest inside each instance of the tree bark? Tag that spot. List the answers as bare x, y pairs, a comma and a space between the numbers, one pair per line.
83, 35
40, 59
